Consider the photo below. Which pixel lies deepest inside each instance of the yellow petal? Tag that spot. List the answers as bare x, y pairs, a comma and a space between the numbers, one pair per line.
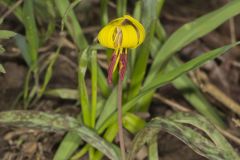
105, 36
132, 33
138, 26
129, 37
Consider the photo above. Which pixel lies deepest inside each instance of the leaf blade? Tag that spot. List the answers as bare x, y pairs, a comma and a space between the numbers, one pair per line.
56, 122
196, 62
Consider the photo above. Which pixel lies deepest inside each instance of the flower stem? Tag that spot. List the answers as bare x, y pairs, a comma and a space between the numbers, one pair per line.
120, 126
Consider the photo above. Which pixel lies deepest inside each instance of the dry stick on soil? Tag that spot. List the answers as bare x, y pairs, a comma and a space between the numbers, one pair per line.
229, 135
10, 10
173, 104
120, 126
206, 86
236, 122
232, 28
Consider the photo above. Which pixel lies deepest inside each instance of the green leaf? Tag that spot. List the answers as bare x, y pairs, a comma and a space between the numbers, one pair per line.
102, 82
109, 135
2, 70
192, 64
23, 46
4, 34
190, 32
31, 32
149, 19
68, 146
48, 74
81, 153
94, 80
109, 108
75, 30
200, 144
82, 88
104, 12
1, 49
163, 79
71, 141
121, 7
194, 96
153, 148
133, 123
201, 123
71, 21
63, 93
59, 123
184, 36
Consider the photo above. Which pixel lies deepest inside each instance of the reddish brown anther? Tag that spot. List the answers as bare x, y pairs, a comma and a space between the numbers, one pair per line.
123, 65
111, 68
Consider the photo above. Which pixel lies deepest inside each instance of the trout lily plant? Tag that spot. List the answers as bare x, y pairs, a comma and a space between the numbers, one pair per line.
121, 34
107, 109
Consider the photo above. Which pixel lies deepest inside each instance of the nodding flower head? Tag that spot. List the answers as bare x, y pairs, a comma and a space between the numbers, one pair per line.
121, 34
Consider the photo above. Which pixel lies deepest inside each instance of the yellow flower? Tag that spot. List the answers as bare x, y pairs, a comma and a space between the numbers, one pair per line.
120, 34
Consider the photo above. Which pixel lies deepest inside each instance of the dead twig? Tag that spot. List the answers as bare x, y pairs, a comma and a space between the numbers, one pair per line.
171, 103
203, 82
10, 10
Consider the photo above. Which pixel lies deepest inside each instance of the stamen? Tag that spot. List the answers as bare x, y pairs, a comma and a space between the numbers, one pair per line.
118, 38
117, 52
111, 68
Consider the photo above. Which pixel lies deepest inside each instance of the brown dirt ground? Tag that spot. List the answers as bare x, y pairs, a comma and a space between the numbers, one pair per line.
22, 143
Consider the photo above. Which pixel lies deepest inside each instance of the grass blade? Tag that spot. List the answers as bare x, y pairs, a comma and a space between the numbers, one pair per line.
68, 146
1, 49
48, 74
104, 12
2, 70
94, 87
133, 123
31, 32
109, 135
82, 88
149, 20
72, 23
102, 82
4, 34
21, 42
63, 93
121, 7
71, 141
109, 108
153, 148
81, 153
75, 30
